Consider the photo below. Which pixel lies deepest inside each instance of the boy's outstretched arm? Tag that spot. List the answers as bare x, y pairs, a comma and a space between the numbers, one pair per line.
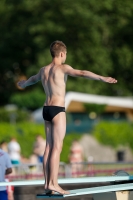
32, 80
87, 74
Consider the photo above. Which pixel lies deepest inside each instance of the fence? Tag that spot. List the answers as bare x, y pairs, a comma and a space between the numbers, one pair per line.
85, 169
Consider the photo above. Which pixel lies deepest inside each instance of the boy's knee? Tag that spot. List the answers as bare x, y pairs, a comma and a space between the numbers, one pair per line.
58, 147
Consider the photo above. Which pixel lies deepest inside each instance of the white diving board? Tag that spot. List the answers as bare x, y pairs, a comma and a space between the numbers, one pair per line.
93, 190
70, 180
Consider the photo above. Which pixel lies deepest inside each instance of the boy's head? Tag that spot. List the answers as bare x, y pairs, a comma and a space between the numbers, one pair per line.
56, 48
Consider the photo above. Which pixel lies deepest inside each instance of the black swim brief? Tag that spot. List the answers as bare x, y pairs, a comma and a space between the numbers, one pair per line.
49, 112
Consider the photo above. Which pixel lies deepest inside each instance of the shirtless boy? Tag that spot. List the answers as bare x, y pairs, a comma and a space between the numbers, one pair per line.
53, 78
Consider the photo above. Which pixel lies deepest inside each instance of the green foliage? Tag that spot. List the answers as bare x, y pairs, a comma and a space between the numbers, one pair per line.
102, 43
29, 99
13, 116
97, 108
26, 133
114, 133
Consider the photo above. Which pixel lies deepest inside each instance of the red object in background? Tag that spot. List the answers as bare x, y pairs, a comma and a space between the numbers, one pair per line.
10, 191
10, 188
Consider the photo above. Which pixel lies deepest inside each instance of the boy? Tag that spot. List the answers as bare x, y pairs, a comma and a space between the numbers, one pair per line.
53, 78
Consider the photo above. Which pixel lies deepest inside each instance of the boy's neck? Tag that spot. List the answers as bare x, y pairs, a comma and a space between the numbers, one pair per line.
57, 61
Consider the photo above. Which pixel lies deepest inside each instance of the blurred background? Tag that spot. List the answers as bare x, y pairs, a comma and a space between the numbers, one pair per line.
99, 38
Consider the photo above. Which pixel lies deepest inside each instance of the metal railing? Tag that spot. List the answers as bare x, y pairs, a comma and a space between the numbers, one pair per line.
84, 169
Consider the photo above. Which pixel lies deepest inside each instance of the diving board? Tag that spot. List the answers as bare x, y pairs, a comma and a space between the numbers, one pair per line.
120, 188
93, 190
70, 180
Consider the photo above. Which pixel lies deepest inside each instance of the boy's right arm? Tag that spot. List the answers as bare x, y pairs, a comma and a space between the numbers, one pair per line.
87, 74
32, 80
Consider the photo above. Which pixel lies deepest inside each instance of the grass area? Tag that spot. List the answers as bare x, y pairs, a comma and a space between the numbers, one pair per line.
114, 134
26, 132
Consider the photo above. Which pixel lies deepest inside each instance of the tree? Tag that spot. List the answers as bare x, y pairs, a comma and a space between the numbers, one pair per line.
98, 36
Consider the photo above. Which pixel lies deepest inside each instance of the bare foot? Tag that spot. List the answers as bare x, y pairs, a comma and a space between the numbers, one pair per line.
58, 189
66, 192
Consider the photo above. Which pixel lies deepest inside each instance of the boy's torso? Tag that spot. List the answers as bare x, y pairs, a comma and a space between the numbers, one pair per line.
54, 80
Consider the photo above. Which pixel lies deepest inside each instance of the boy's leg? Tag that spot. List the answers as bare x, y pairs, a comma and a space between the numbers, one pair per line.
47, 152
58, 134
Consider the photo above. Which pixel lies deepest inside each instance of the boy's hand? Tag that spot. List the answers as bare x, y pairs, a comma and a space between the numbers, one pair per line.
108, 80
21, 84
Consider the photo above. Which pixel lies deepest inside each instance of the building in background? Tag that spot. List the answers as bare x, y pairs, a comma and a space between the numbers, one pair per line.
81, 120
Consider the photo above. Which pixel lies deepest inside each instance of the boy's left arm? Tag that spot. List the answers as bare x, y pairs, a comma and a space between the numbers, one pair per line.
32, 80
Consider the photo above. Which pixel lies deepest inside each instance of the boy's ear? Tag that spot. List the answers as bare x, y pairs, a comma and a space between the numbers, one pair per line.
61, 54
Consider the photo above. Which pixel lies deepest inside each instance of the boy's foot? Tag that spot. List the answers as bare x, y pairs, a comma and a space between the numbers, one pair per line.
58, 189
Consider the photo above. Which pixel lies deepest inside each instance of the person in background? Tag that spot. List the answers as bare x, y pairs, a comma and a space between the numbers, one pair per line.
34, 168
5, 169
76, 158
14, 151
33, 159
39, 147
3, 146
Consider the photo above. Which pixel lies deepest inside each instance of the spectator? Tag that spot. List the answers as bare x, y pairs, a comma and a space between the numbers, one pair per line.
75, 158
14, 151
39, 147
5, 168
33, 164
33, 160
3, 146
